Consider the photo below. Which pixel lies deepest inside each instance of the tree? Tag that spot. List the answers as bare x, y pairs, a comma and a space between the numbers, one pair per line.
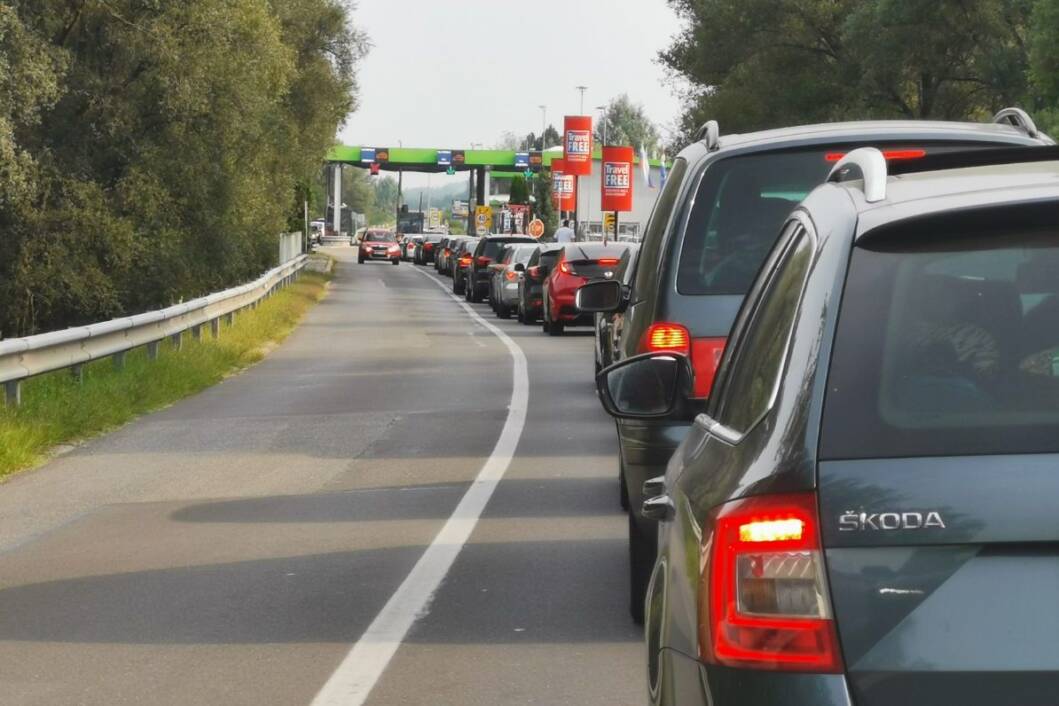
544, 210
385, 200
532, 141
627, 124
507, 141
151, 151
519, 191
754, 64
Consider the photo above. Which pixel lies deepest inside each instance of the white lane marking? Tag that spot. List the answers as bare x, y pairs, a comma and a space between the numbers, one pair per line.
360, 670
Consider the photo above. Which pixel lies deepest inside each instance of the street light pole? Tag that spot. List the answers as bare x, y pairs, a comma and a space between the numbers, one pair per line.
602, 220
544, 121
582, 89
577, 179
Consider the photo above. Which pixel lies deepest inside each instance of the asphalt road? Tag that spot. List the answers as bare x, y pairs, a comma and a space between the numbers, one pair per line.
233, 548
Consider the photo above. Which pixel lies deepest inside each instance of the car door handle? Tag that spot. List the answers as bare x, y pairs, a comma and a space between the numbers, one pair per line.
658, 508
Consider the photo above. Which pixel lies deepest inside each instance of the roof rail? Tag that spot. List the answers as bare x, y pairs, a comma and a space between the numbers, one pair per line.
1019, 118
710, 133
871, 164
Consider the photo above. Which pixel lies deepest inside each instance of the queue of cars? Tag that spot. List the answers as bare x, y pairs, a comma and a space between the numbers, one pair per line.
833, 363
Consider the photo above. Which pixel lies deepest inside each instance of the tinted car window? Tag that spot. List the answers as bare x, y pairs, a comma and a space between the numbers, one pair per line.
758, 363
549, 257
948, 345
655, 231
740, 204
377, 237
491, 248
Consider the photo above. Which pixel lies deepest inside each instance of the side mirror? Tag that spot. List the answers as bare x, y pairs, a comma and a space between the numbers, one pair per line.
603, 297
646, 386
519, 267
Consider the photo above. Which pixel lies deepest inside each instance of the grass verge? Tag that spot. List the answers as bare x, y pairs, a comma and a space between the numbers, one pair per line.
56, 409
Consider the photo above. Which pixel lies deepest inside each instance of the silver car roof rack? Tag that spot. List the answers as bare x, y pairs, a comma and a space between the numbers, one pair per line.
869, 165
710, 134
1018, 118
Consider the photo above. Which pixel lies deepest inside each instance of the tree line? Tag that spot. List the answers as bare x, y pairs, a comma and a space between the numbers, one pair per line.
152, 150
753, 64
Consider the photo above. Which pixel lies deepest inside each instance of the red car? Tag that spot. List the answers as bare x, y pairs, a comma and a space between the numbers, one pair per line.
577, 264
379, 245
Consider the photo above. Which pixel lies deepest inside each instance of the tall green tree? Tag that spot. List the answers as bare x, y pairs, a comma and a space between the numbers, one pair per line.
543, 207
627, 124
519, 191
754, 64
164, 146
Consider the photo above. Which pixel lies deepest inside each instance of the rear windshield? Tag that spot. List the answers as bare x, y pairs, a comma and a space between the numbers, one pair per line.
549, 258
379, 238
740, 206
948, 341
493, 247
595, 251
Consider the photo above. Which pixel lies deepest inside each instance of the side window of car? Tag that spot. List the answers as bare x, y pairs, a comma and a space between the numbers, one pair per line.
760, 351
655, 231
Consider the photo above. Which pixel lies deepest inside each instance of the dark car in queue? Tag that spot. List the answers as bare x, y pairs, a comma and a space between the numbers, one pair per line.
426, 250
379, 245
531, 286
864, 513
608, 324
713, 223
483, 257
504, 286
445, 248
462, 257
577, 264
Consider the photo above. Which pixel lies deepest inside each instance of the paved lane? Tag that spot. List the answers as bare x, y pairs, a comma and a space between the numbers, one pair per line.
231, 548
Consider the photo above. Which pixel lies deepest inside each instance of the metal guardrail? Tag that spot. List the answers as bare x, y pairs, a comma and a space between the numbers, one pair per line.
22, 358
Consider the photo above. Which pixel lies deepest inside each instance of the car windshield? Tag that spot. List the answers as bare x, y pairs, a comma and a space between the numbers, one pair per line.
948, 346
379, 237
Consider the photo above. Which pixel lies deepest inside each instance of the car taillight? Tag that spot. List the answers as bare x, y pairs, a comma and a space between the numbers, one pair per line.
705, 359
763, 598
666, 337
893, 155
565, 268
511, 276
428, 246
465, 261
393, 248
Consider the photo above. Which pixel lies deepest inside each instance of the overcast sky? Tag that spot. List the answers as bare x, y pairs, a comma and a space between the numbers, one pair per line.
446, 73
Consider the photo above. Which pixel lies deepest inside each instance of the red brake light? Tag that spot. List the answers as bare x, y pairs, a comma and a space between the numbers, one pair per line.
893, 155
763, 598
609, 261
447, 252
510, 275
565, 268
483, 260
465, 261
666, 337
428, 246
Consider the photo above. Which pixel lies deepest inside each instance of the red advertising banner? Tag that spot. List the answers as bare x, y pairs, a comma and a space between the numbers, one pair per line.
577, 144
616, 184
564, 197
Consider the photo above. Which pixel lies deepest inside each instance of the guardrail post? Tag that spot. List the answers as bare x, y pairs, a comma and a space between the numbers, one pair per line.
215, 327
177, 341
119, 360
77, 372
152, 350
13, 392
229, 318
196, 332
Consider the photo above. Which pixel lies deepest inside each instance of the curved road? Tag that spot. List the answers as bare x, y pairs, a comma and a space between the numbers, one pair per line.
233, 548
